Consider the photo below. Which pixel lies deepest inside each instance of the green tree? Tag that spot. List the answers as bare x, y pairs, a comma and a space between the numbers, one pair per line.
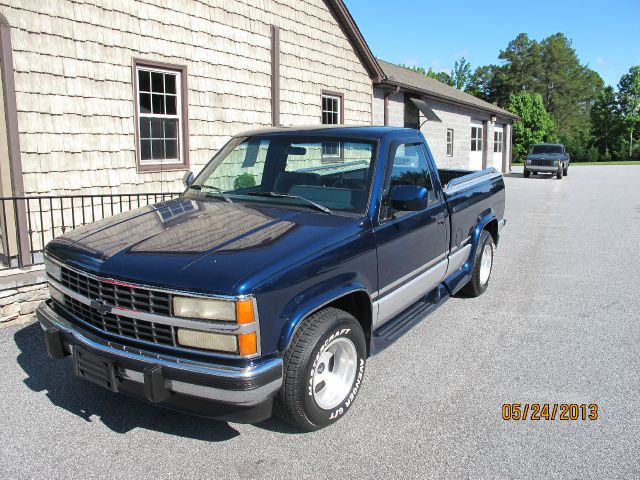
415, 68
461, 74
535, 124
605, 121
629, 101
443, 77
522, 66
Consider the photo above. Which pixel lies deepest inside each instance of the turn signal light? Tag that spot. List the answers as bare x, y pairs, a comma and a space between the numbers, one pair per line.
248, 343
244, 311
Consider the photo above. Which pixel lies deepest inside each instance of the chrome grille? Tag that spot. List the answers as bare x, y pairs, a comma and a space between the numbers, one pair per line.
542, 163
123, 296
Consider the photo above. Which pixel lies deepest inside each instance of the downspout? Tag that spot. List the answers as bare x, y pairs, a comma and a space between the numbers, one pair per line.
386, 104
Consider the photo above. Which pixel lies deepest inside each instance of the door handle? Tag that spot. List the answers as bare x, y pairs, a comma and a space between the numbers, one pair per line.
440, 220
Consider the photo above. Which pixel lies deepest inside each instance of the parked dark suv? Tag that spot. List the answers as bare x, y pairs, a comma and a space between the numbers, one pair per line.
547, 158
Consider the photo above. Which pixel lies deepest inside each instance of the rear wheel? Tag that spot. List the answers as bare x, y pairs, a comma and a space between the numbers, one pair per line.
482, 266
535, 173
526, 173
323, 370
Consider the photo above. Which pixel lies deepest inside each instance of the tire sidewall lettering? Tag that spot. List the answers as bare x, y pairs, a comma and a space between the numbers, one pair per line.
334, 414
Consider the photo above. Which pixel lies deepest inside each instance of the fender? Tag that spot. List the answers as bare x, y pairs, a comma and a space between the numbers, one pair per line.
459, 279
310, 301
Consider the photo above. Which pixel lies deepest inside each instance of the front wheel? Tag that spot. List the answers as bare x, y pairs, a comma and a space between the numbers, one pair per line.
559, 174
526, 173
323, 370
565, 172
482, 266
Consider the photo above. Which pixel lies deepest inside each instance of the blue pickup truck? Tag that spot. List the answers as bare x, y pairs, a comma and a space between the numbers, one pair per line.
293, 256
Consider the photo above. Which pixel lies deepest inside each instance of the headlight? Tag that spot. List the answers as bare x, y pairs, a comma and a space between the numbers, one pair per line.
207, 340
212, 309
243, 344
53, 269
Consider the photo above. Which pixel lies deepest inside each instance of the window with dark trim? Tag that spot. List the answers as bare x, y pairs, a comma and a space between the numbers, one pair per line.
449, 142
161, 117
476, 139
331, 109
498, 137
332, 112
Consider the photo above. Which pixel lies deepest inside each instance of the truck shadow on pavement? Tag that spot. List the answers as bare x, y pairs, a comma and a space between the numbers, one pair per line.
89, 402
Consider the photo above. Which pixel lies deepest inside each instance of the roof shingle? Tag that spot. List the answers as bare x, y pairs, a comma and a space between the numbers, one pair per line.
404, 77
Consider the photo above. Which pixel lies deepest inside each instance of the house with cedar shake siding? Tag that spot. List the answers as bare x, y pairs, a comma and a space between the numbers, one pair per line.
105, 101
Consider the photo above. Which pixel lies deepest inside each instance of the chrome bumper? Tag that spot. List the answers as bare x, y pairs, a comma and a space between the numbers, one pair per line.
244, 387
539, 168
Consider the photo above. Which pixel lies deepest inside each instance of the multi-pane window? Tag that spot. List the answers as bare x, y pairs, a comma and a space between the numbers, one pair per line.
331, 109
159, 115
497, 141
331, 115
450, 142
476, 139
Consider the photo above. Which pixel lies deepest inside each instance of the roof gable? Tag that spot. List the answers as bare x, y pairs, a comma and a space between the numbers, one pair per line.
353, 34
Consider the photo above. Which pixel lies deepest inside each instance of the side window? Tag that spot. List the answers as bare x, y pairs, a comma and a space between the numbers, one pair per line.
409, 167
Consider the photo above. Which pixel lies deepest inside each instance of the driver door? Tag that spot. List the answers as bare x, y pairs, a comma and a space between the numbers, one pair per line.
412, 246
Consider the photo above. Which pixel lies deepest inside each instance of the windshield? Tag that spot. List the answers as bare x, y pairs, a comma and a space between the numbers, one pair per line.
546, 149
329, 172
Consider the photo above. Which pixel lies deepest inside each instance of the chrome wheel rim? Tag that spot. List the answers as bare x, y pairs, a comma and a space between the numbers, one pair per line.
485, 263
334, 373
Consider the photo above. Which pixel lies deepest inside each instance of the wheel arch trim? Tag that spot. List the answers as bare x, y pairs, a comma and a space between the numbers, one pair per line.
315, 304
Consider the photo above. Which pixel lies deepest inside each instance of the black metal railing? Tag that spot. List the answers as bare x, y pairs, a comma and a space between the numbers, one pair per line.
27, 224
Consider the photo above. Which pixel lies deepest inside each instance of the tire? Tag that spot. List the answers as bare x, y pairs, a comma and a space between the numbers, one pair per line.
535, 173
527, 173
329, 342
565, 172
480, 277
559, 174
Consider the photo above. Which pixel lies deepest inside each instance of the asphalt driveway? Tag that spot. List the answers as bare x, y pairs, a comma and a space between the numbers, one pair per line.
559, 324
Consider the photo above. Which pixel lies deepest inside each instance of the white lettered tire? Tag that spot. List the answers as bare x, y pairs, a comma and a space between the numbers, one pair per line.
323, 370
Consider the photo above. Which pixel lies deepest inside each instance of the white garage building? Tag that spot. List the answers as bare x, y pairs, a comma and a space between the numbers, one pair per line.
462, 130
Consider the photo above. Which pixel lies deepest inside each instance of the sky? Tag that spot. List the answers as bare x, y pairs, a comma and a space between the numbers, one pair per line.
428, 33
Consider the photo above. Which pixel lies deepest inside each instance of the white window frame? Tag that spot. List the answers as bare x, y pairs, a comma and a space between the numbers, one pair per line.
476, 138
498, 140
338, 113
331, 150
449, 142
178, 116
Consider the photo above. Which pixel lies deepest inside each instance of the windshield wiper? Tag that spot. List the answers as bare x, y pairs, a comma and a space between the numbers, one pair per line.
317, 206
211, 187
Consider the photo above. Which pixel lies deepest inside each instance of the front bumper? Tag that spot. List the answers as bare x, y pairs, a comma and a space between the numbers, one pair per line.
169, 381
541, 168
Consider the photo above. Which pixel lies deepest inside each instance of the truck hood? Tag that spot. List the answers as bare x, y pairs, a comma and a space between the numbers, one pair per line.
545, 156
205, 246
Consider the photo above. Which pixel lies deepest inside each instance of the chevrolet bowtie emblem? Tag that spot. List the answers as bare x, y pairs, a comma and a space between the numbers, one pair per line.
100, 306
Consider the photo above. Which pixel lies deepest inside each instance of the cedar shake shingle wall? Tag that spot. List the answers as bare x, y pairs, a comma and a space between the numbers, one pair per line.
74, 92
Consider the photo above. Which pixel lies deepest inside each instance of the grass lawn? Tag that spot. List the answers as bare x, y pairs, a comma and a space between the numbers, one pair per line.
631, 162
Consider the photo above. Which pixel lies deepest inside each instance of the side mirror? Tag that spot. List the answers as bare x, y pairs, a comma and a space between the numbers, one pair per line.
187, 179
409, 198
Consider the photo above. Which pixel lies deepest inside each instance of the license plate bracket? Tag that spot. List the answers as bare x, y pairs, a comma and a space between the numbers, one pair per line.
96, 369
